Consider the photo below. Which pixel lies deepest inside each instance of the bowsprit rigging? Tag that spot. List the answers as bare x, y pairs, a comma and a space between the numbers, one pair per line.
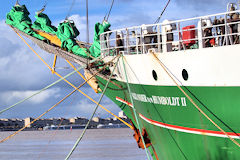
61, 41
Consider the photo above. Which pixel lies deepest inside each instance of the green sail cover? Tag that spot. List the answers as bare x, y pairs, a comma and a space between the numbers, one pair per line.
44, 23
18, 17
95, 49
67, 32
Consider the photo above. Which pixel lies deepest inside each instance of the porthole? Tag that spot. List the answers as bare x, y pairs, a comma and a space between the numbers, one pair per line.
185, 74
154, 74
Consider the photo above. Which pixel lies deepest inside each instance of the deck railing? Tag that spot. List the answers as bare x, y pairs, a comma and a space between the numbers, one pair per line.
195, 33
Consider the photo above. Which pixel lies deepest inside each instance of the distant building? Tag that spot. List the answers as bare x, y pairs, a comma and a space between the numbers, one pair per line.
78, 120
27, 122
96, 119
121, 114
11, 122
101, 120
45, 122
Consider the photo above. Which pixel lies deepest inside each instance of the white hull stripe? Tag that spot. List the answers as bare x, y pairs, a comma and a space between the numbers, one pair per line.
190, 130
123, 101
183, 129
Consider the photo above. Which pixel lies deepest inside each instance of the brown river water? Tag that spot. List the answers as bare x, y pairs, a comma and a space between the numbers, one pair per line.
97, 144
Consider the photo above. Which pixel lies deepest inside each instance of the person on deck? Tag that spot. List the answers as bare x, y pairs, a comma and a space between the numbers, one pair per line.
119, 43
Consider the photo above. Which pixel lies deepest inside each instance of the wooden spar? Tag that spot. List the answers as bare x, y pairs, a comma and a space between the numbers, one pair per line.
52, 38
54, 64
56, 50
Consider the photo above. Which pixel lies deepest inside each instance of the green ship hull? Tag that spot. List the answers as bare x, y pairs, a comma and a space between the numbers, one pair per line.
176, 129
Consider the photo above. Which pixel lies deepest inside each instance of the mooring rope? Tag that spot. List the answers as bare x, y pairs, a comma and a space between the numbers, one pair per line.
175, 141
61, 78
81, 136
45, 88
98, 58
10, 136
196, 106
134, 109
211, 112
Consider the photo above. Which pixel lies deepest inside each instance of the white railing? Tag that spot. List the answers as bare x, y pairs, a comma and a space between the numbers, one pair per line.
195, 33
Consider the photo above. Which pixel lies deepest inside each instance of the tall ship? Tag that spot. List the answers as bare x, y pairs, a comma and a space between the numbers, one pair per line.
177, 81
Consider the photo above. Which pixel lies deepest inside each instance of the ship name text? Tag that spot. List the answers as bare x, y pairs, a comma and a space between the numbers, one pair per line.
166, 101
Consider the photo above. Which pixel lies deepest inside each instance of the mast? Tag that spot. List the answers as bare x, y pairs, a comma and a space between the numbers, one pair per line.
87, 32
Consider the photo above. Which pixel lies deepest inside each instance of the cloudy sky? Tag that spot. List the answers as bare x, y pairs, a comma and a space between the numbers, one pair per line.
22, 73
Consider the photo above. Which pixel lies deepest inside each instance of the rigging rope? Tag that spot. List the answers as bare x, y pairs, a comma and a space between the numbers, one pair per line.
109, 12
158, 19
178, 146
25, 99
72, 84
81, 136
196, 106
134, 109
87, 25
75, 69
61, 78
70, 9
211, 112
10, 136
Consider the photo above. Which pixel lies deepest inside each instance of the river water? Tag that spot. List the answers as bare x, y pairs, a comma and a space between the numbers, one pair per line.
97, 144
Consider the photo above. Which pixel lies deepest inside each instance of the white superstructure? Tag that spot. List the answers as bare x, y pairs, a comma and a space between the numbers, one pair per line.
201, 51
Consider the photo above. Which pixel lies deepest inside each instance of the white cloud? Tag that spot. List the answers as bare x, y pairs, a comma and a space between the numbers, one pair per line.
14, 96
4, 61
20, 68
86, 107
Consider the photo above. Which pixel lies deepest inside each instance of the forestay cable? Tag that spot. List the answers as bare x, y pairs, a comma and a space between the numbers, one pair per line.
70, 9
134, 109
107, 15
81, 136
158, 19
25, 99
10, 136
99, 58
62, 78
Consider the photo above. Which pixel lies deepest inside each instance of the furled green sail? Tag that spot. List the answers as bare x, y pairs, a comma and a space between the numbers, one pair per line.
67, 32
19, 17
44, 23
95, 49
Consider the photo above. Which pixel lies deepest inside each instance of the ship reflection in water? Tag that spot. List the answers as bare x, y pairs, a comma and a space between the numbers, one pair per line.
98, 144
